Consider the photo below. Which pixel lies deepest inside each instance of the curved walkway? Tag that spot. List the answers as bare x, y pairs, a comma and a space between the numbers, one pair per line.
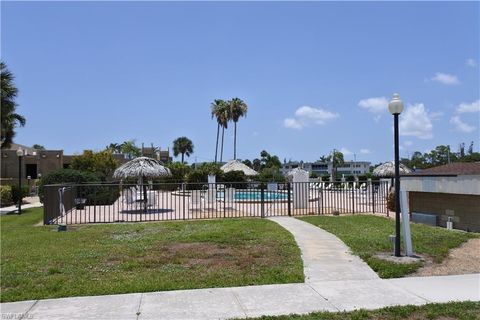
325, 257
335, 281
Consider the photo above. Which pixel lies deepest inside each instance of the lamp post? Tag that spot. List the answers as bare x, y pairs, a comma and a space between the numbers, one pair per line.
395, 106
19, 155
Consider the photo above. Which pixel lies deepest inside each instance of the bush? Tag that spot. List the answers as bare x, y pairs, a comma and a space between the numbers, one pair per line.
200, 173
391, 201
16, 193
66, 176
6, 195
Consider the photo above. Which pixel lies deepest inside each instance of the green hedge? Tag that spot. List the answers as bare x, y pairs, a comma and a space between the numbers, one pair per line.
6, 195
96, 194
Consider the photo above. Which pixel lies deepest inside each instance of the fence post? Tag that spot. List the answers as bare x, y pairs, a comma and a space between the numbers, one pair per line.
183, 199
373, 198
353, 198
262, 199
289, 200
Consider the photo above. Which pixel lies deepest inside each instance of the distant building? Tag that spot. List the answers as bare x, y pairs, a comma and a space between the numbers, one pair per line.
157, 153
36, 163
449, 192
349, 168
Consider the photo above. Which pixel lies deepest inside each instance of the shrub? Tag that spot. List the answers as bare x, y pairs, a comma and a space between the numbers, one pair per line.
66, 176
16, 195
391, 201
200, 173
6, 195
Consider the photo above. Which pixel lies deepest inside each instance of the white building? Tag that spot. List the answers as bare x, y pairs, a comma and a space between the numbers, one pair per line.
325, 168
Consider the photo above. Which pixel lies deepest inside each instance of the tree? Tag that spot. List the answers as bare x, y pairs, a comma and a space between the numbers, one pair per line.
337, 160
248, 163
183, 146
256, 164
38, 147
269, 161
221, 112
114, 147
129, 148
9, 119
238, 109
102, 163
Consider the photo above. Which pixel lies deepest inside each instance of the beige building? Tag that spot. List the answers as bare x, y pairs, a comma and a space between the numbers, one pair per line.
449, 192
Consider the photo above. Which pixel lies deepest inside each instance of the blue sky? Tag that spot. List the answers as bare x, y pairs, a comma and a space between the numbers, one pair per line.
316, 76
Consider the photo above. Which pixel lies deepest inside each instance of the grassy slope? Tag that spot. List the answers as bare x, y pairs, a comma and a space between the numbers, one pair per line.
38, 262
367, 235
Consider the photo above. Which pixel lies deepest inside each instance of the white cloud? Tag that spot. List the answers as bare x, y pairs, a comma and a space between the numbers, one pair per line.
292, 123
415, 121
445, 78
365, 151
345, 151
408, 143
471, 63
305, 116
460, 125
469, 107
435, 115
374, 105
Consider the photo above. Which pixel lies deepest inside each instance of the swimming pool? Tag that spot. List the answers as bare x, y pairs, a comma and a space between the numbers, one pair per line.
256, 195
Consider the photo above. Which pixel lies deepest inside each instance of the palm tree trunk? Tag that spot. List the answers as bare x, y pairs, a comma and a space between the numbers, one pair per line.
216, 145
183, 154
221, 150
235, 141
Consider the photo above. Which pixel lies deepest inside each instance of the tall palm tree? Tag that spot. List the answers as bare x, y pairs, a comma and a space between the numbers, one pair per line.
238, 109
183, 146
9, 118
221, 111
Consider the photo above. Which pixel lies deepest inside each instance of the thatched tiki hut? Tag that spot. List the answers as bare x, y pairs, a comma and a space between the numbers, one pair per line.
387, 170
235, 165
142, 168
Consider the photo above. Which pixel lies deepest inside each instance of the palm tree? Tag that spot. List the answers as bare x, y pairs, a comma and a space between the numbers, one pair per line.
129, 148
183, 146
221, 111
238, 109
114, 147
9, 118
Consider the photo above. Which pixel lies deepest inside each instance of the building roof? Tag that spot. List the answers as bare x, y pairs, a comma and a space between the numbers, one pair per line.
455, 168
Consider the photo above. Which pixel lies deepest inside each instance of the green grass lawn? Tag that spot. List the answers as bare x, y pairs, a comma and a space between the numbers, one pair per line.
367, 235
38, 262
440, 311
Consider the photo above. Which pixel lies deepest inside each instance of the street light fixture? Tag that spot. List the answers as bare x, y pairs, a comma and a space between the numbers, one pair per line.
20, 154
395, 106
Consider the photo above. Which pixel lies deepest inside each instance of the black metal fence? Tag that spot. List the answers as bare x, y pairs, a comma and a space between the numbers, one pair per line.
103, 203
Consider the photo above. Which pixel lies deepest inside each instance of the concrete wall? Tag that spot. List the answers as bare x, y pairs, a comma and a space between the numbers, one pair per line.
455, 184
463, 208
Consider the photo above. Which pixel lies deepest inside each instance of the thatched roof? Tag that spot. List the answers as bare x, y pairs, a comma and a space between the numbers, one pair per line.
292, 172
141, 167
235, 165
387, 169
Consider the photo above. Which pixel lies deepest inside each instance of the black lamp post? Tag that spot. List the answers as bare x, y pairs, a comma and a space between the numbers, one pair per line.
20, 156
395, 106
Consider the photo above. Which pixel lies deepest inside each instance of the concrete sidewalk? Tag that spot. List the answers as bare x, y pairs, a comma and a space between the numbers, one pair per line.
254, 301
31, 202
335, 281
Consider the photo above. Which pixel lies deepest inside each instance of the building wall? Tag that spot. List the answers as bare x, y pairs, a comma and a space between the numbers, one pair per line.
462, 184
46, 161
462, 208
324, 168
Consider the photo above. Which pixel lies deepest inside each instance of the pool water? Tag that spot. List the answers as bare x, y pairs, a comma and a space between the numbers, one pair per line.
256, 195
